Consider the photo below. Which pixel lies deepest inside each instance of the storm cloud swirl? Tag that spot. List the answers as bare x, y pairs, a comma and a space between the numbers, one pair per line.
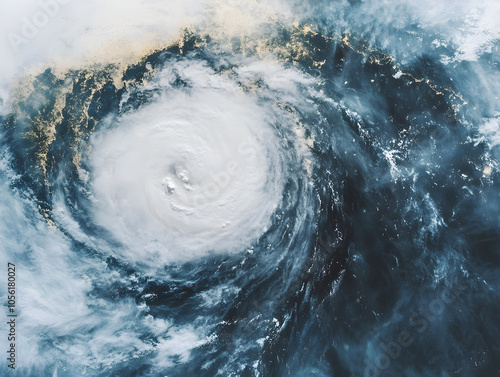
228, 188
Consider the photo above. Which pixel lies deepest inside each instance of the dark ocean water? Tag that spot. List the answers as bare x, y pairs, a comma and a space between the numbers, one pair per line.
380, 257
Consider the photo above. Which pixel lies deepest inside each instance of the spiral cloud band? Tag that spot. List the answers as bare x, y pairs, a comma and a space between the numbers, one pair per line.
199, 171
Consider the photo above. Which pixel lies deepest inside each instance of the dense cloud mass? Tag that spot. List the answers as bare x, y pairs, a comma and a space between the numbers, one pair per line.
250, 188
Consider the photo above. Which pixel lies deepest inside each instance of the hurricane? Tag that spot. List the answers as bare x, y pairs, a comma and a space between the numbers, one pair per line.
250, 188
